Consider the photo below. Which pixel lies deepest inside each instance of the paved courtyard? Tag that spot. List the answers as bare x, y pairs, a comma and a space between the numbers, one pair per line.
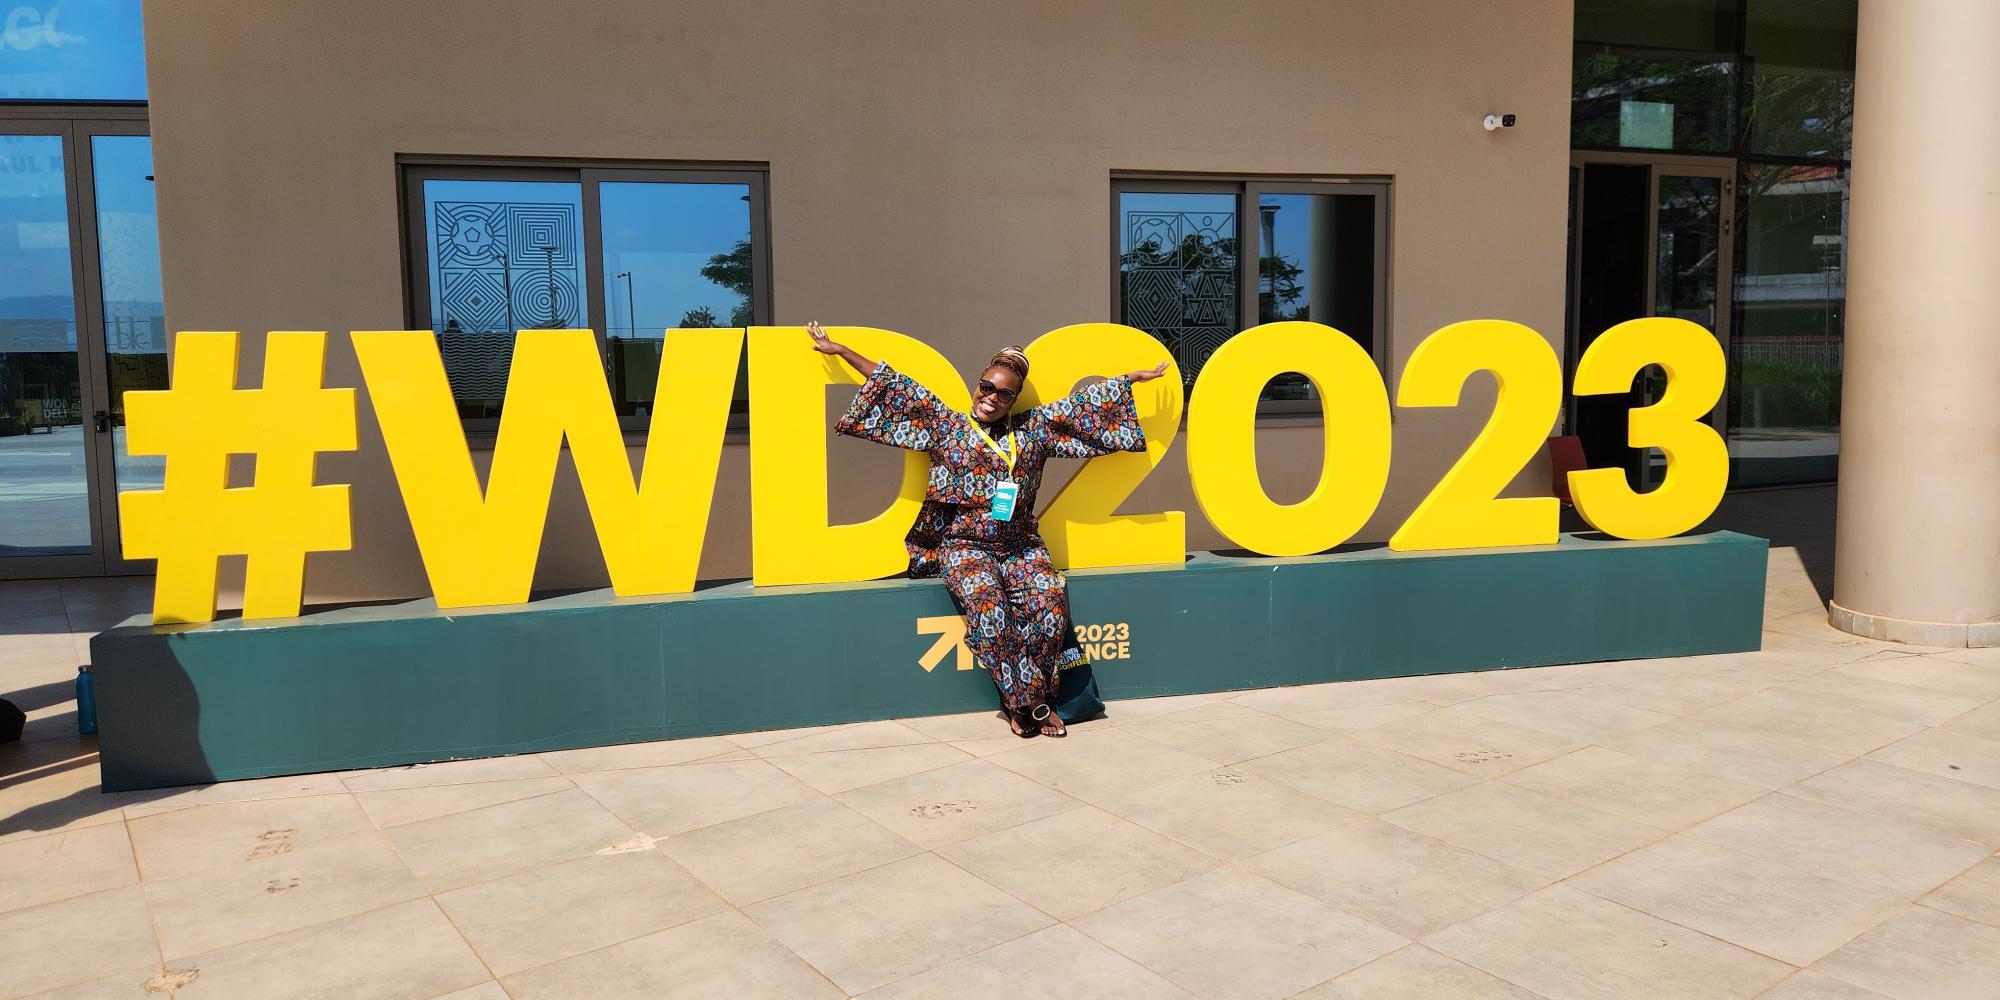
1814, 821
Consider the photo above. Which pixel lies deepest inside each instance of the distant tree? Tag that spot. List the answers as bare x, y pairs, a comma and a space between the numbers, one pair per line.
701, 318
734, 270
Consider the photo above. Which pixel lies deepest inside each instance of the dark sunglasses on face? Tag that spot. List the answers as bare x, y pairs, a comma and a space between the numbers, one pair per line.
988, 388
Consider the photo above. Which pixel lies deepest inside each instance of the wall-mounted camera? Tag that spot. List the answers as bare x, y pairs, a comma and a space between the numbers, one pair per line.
1499, 121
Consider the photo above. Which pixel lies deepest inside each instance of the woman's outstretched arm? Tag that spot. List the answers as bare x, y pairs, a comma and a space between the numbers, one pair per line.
1148, 374
825, 345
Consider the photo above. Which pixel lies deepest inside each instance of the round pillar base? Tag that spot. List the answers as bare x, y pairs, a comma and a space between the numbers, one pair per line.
1916, 633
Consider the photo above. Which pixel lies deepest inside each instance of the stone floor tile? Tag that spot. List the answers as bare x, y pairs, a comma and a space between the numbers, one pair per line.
1206, 710
451, 772
657, 753
1461, 739
859, 736
1566, 944
1682, 695
1194, 934
1084, 860
963, 726
664, 801
1524, 828
1658, 795
1411, 884
1841, 844
770, 736
1322, 697
398, 806
1982, 722
1567, 713
125, 984
154, 801
1100, 764
1974, 895
1742, 754
327, 880
776, 852
1343, 721
723, 956
1921, 954
1945, 754
989, 746
404, 951
1808, 985
1936, 671
1122, 710
489, 990
63, 793
956, 803
1901, 702
875, 927
840, 770
1229, 741
75, 940
1417, 973
1811, 719
1055, 963
1358, 775
199, 837
497, 841
61, 865
1755, 903
1959, 808
1229, 813
546, 915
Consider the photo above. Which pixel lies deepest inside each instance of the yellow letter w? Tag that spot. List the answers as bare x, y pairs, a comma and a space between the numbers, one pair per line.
479, 548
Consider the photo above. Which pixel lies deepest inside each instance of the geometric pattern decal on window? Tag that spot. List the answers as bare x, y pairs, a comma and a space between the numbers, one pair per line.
1178, 282
491, 251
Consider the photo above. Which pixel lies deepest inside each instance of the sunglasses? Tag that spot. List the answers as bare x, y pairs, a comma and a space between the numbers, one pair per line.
989, 389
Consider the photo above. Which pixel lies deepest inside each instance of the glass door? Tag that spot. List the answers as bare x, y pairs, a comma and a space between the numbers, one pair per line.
47, 448
1693, 215
80, 323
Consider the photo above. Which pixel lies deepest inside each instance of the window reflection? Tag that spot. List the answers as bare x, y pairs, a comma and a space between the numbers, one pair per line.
72, 50
504, 256
44, 489
135, 325
676, 255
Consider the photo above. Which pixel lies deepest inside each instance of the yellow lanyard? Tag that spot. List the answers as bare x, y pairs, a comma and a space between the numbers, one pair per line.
1008, 454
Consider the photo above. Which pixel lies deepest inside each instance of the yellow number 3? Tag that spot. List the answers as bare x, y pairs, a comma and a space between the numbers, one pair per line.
1697, 459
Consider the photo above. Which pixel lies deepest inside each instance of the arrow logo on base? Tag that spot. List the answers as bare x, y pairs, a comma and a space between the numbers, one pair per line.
950, 630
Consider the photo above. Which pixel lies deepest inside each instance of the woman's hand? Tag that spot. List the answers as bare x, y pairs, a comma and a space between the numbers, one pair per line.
825, 345
821, 342
1149, 374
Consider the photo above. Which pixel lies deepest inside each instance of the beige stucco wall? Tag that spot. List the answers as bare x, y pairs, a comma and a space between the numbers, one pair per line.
939, 169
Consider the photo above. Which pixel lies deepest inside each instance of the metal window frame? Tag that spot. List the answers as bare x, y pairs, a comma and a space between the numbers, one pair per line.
1249, 190
414, 169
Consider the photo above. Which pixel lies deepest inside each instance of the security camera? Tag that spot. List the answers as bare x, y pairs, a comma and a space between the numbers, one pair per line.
1499, 121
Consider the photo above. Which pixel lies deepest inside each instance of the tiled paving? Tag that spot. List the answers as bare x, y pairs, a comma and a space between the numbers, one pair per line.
1815, 821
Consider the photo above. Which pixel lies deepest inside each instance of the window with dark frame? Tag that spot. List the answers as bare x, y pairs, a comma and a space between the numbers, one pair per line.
628, 251
1195, 261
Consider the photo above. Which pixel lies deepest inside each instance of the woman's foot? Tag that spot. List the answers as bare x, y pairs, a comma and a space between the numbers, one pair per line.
1023, 727
1051, 723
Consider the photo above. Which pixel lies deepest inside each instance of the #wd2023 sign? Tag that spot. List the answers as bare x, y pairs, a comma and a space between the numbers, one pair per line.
479, 544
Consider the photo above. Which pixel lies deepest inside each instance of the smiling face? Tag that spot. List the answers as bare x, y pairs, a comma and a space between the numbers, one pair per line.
991, 407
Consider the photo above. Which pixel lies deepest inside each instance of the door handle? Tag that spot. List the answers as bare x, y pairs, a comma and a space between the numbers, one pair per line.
102, 421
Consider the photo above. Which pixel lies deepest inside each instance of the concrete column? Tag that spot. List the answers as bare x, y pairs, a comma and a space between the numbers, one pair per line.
1917, 555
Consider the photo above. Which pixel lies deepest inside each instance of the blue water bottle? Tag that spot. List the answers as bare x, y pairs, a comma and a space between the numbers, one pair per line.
86, 702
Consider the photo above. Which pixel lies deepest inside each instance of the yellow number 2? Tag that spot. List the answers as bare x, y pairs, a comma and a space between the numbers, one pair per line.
1697, 458
1463, 510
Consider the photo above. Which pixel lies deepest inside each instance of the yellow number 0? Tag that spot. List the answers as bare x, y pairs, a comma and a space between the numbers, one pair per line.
1462, 511
1222, 438
1697, 458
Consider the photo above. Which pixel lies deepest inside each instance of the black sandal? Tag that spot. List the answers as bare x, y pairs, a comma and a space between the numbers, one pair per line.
1023, 725
1044, 716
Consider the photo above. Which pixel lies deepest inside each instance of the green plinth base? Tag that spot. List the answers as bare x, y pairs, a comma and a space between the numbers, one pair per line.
373, 686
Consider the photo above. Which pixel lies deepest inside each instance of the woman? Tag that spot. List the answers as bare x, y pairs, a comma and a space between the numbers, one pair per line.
977, 524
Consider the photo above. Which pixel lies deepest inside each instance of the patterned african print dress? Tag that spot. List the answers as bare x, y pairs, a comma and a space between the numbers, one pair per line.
1015, 602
